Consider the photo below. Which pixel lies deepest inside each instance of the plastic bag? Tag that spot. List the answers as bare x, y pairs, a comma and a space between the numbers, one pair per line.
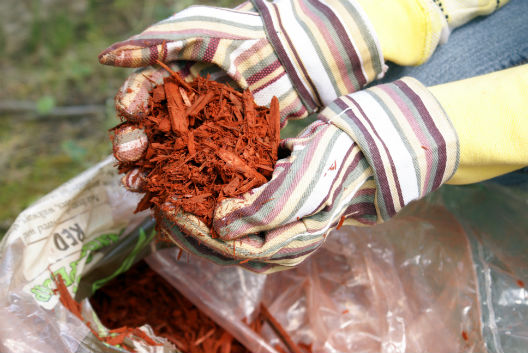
84, 229
365, 291
425, 281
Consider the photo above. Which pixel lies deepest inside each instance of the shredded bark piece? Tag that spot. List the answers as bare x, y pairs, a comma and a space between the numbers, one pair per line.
279, 330
341, 221
206, 142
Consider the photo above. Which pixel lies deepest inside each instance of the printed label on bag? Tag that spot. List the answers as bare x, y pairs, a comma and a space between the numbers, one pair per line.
63, 230
42, 287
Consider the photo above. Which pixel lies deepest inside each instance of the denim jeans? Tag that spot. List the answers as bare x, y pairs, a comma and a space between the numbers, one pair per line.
484, 45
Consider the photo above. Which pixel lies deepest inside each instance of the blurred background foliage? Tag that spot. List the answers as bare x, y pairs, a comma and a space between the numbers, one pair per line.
56, 100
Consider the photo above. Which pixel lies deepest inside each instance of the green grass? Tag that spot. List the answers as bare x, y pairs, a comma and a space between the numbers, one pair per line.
50, 58
40, 155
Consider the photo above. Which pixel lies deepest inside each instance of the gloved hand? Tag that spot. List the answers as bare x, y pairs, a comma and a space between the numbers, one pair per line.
367, 155
334, 52
307, 53
278, 245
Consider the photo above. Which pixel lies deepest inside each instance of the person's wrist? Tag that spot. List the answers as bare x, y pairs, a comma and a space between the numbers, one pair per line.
406, 137
490, 116
408, 30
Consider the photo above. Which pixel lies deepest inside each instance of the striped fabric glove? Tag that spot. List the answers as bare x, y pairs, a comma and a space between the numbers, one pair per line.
305, 52
367, 155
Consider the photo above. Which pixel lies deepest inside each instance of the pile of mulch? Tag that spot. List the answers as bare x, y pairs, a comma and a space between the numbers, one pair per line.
202, 141
140, 296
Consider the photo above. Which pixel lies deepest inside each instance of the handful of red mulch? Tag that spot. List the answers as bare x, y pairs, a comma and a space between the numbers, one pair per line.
203, 141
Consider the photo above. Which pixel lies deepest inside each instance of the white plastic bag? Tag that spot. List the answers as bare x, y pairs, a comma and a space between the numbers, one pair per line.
83, 229
447, 274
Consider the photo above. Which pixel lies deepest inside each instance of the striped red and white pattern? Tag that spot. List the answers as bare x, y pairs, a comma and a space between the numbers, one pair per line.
130, 142
134, 180
369, 154
339, 52
327, 46
324, 164
406, 137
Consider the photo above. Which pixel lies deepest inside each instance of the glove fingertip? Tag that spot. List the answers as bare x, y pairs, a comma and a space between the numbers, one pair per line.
122, 54
103, 58
107, 56
134, 180
131, 105
129, 142
131, 101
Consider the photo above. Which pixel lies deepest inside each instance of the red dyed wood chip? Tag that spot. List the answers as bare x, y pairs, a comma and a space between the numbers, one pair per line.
206, 142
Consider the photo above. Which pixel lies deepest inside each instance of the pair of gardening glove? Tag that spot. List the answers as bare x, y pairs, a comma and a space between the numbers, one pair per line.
366, 156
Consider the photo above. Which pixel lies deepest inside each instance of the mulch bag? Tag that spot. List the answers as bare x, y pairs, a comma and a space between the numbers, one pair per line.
447, 274
426, 281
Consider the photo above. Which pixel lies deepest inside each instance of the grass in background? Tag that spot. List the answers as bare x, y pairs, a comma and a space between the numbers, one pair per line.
49, 60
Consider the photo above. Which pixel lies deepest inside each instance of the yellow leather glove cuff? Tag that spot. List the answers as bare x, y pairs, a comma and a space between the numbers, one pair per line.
408, 30
459, 12
490, 115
